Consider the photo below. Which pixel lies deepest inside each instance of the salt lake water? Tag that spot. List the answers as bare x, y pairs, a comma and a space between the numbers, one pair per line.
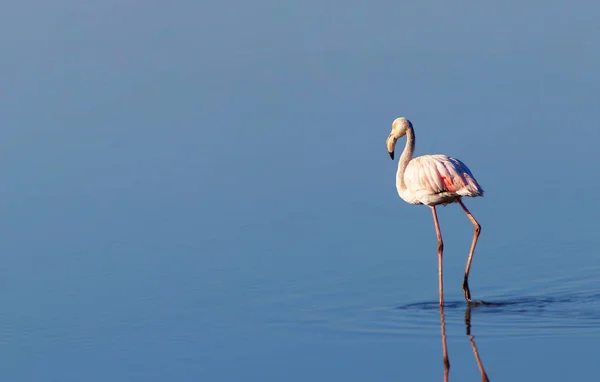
201, 191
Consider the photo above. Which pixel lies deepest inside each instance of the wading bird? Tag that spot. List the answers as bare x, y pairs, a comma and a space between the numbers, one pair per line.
433, 180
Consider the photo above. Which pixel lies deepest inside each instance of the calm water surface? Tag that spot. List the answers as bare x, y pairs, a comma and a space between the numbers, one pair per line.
197, 191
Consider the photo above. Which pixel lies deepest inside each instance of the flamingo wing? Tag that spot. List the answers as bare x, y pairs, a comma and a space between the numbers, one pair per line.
440, 174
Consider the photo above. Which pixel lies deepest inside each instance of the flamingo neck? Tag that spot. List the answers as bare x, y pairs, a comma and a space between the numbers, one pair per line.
406, 157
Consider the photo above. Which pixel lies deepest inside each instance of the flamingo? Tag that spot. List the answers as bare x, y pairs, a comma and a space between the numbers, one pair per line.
434, 180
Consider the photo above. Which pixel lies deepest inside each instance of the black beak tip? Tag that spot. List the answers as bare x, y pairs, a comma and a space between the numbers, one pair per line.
392, 155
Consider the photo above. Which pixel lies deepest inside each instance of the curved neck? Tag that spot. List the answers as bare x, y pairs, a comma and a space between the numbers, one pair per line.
406, 156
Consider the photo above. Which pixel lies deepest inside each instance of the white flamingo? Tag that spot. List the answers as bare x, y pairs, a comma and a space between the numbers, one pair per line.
434, 180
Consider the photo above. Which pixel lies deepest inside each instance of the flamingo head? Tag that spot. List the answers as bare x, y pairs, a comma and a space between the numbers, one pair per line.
399, 128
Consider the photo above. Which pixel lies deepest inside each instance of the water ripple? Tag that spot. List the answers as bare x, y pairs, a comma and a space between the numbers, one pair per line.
536, 315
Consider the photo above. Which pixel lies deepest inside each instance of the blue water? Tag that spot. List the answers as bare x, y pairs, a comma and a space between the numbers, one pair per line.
201, 191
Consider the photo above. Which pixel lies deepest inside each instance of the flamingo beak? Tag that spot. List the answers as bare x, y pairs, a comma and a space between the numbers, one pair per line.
391, 144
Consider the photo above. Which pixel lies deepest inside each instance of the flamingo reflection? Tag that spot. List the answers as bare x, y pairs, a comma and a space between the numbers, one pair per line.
444, 345
484, 377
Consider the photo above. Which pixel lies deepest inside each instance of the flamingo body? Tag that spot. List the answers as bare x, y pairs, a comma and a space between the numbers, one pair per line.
437, 179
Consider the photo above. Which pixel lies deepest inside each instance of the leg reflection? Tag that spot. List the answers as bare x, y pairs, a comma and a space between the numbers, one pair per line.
484, 377
444, 345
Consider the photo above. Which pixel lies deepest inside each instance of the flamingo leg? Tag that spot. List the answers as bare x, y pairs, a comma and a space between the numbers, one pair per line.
440, 249
473, 244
